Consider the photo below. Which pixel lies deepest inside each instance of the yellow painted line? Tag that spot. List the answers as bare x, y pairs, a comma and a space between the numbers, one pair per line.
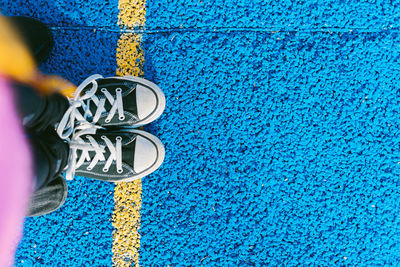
132, 13
130, 56
127, 196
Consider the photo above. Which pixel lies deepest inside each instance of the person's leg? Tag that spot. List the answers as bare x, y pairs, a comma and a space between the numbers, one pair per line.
50, 156
48, 198
50, 153
39, 112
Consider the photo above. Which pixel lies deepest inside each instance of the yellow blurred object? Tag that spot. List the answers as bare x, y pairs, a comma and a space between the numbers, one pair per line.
15, 59
17, 63
51, 83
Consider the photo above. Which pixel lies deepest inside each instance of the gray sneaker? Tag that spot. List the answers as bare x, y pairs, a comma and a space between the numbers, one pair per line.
114, 101
116, 156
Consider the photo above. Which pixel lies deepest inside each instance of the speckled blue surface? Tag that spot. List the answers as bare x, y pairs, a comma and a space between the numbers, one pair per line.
78, 234
83, 13
284, 14
281, 147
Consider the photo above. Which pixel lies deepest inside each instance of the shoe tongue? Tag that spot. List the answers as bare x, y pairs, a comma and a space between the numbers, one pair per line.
111, 84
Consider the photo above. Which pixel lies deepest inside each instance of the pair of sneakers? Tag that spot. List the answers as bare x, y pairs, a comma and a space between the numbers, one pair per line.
101, 124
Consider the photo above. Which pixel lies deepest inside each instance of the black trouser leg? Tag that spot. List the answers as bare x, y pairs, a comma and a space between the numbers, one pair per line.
49, 198
37, 111
50, 153
50, 156
39, 114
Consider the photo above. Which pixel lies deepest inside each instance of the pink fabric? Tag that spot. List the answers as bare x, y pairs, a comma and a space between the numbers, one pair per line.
15, 176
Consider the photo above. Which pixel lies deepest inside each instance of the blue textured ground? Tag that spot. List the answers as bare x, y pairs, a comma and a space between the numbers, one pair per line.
282, 147
303, 15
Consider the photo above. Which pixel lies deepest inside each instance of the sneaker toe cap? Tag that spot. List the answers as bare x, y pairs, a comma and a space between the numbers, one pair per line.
146, 154
146, 101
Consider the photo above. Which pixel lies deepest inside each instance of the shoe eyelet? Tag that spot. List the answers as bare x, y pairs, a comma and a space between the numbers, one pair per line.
105, 170
103, 90
118, 90
88, 168
120, 171
103, 137
87, 136
121, 118
118, 138
107, 120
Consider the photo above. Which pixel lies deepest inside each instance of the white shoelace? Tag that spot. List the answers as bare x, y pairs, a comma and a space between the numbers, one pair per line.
77, 143
67, 124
